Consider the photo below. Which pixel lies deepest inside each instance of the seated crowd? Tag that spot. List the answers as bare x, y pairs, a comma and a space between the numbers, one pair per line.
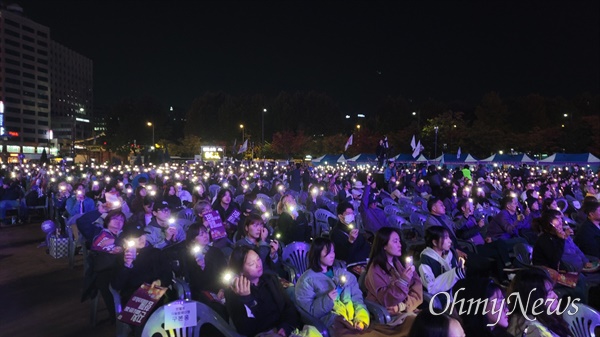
456, 239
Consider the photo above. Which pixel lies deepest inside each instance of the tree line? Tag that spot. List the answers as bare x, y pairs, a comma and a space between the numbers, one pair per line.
300, 123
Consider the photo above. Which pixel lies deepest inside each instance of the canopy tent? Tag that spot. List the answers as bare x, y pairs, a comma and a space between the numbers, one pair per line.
328, 159
403, 158
571, 158
509, 158
450, 158
363, 158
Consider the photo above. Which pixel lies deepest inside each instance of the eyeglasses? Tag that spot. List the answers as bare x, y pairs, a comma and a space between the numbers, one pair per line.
164, 210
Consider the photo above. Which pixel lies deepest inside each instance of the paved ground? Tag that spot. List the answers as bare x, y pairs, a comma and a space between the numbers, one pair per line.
39, 295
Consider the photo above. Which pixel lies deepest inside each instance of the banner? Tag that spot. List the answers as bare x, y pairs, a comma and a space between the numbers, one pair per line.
141, 303
213, 221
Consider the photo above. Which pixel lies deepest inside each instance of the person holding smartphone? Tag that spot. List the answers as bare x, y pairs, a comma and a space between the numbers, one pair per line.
255, 300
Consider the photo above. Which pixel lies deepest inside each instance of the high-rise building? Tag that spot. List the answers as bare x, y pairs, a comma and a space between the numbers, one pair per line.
71, 84
46, 90
24, 83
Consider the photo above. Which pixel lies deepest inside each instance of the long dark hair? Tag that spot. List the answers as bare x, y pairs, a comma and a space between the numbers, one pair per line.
430, 325
476, 288
544, 223
314, 253
238, 257
530, 284
193, 232
435, 233
378, 256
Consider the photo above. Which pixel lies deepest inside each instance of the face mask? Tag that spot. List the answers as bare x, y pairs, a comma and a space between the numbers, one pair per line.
349, 218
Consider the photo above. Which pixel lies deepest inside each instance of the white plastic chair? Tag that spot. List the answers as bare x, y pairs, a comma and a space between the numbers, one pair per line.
583, 322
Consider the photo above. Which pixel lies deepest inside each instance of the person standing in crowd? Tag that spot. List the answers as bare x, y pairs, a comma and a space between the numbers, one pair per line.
373, 217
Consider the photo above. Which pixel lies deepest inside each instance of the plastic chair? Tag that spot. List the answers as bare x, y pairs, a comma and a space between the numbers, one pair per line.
71, 237
583, 322
388, 202
213, 190
418, 219
391, 210
322, 217
420, 203
562, 204
154, 327
43, 208
188, 214
265, 200
397, 221
239, 200
332, 206
522, 253
378, 312
295, 255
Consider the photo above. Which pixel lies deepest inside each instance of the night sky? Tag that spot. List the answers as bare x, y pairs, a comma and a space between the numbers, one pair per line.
355, 51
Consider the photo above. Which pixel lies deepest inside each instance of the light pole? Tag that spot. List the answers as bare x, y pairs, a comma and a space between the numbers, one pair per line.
435, 145
151, 125
262, 123
242, 127
418, 114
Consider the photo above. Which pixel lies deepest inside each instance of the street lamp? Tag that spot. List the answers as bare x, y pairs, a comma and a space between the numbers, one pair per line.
436, 128
242, 127
358, 127
262, 123
152, 125
418, 114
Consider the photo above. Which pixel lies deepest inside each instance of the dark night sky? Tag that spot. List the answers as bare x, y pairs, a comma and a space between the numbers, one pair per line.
356, 51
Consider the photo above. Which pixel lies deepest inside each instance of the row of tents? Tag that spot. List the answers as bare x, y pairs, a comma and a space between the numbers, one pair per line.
453, 159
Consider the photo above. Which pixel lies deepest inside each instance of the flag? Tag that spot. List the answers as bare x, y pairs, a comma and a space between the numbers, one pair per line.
244, 147
418, 150
234, 144
348, 143
458, 153
442, 160
413, 144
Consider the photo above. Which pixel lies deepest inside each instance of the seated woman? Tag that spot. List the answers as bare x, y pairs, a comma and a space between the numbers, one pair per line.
203, 264
256, 301
256, 236
170, 196
332, 294
142, 263
389, 283
490, 320
292, 224
533, 287
430, 324
439, 267
556, 250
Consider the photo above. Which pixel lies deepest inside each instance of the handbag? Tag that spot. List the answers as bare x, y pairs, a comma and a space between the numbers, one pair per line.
58, 247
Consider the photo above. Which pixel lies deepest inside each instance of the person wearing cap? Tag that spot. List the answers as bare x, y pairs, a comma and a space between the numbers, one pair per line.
161, 231
373, 217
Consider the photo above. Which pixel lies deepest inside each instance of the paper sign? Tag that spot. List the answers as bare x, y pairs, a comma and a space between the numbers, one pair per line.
234, 217
180, 314
140, 304
213, 221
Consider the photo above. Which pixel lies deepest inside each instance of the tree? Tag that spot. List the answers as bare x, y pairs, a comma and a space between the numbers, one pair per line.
289, 143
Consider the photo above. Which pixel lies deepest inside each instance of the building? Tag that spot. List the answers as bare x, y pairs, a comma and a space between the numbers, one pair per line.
46, 90
24, 84
71, 85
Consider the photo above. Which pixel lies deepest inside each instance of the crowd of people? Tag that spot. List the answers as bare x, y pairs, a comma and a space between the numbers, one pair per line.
200, 221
